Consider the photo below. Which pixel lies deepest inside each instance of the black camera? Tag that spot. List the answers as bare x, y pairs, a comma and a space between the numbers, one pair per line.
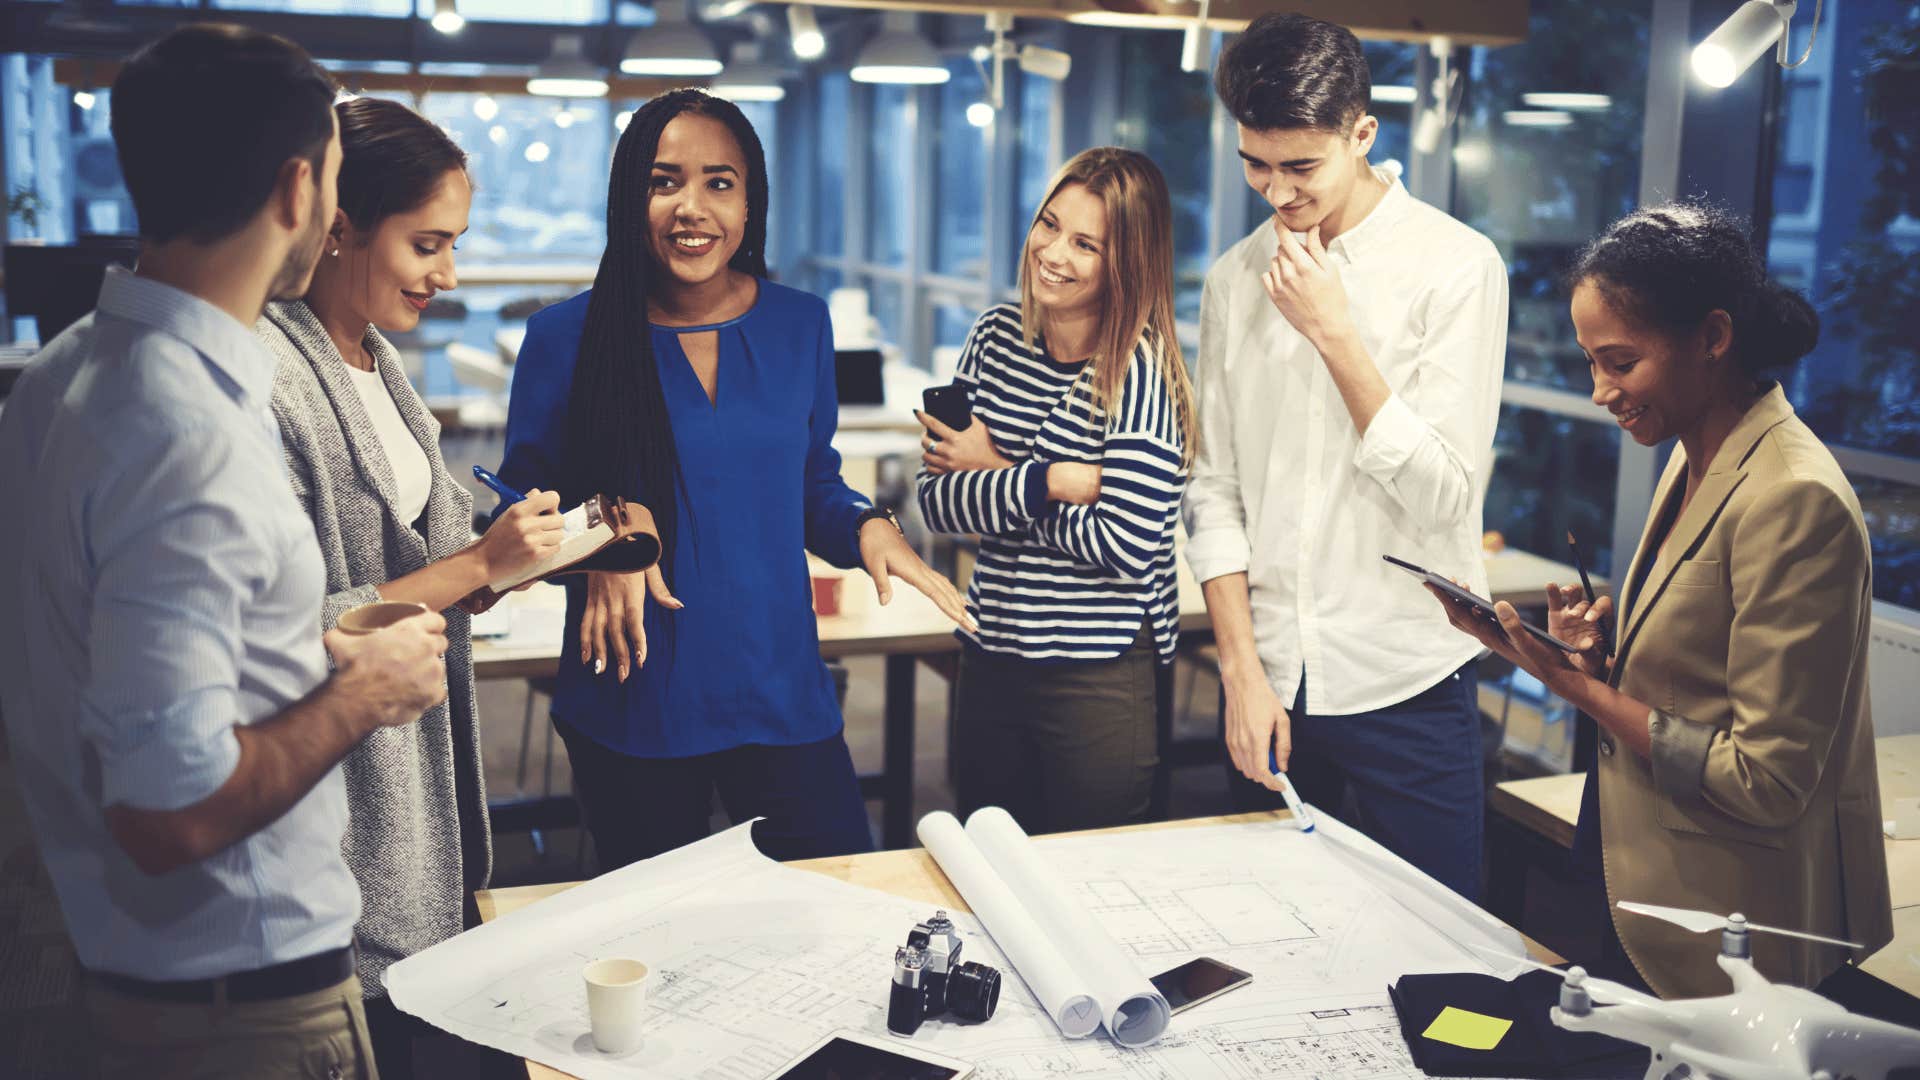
929, 979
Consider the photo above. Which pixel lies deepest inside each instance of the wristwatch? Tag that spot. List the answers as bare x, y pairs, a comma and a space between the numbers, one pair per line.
873, 512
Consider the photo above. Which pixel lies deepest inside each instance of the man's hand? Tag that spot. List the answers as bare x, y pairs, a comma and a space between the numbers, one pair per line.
1256, 724
1073, 482
887, 555
1303, 284
613, 627
947, 450
395, 673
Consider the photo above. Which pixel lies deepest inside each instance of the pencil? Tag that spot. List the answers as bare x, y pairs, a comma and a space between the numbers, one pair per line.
1586, 583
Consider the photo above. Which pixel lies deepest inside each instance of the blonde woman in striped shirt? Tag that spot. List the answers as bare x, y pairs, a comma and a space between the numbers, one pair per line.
1071, 475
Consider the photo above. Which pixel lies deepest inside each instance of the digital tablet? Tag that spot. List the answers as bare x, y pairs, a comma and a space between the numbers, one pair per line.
853, 1055
1479, 604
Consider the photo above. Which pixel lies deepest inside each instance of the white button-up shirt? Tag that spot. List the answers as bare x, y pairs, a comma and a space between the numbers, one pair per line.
1286, 489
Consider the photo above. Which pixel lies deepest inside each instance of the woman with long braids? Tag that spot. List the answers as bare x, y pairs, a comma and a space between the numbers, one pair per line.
686, 381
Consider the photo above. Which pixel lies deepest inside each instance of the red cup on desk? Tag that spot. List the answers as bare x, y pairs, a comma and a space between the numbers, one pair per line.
826, 594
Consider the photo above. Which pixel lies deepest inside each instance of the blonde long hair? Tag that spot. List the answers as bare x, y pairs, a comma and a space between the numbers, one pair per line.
1137, 304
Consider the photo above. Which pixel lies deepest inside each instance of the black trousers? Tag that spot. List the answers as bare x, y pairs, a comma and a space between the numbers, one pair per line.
637, 807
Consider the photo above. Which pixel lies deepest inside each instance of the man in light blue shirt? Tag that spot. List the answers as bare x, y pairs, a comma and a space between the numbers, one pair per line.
165, 689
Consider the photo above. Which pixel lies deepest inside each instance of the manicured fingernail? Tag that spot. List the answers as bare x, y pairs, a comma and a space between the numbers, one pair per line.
599, 665
1593, 616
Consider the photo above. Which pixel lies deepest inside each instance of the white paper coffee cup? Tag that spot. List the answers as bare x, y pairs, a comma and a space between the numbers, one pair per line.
616, 1004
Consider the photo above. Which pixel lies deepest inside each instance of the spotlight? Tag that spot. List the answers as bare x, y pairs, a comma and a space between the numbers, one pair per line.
980, 114
1752, 29
804, 30
447, 18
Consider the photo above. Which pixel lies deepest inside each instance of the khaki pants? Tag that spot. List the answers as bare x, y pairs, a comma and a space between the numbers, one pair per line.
317, 1036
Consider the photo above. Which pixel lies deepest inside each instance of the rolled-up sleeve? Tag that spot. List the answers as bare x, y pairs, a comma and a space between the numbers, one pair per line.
1431, 443
1215, 514
176, 560
1798, 590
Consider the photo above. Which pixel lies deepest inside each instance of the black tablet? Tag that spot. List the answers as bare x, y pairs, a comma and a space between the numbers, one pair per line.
1478, 603
852, 1055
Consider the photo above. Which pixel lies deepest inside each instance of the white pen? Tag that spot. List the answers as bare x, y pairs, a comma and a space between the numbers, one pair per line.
1294, 805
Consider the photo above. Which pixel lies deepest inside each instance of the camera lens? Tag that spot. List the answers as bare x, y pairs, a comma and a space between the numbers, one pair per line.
973, 991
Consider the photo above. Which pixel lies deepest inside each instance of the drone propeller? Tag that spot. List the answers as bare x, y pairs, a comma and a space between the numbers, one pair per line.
1701, 922
1602, 991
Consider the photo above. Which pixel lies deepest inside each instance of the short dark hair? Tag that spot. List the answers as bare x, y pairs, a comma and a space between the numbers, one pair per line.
203, 120
392, 159
1292, 71
1669, 266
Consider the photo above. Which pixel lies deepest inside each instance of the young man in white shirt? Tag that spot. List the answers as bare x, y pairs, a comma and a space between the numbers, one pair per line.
1351, 351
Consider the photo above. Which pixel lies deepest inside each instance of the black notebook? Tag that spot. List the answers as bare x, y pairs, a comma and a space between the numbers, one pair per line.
1532, 1047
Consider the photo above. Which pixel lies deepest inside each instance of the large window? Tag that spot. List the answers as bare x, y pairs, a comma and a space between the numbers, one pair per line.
1548, 153
832, 96
1846, 230
1554, 475
960, 176
890, 161
1034, 161
1168, 114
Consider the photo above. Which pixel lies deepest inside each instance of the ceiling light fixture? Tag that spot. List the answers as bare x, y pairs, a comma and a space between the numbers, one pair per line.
671, 46
1396, 95
1195, 43
447, 18
1752, 29
803, 31
1569, 102
898, 54
1033, 59
1538, 118
749, 78
567, 72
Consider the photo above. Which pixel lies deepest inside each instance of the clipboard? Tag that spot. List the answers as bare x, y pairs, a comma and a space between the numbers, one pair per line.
1478, 603
591, 528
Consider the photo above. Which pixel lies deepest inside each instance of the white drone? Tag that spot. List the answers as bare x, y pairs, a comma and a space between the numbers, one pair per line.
1761, 1031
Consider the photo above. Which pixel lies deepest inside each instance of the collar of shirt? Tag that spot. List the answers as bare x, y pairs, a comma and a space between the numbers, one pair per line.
1376, 229
218, 337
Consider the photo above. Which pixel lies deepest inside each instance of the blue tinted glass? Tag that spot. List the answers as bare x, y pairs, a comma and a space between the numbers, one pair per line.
959, 207
830, 162
889, 162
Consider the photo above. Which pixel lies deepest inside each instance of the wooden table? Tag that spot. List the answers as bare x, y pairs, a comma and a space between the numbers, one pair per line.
910, 628
1549, 806
912, 874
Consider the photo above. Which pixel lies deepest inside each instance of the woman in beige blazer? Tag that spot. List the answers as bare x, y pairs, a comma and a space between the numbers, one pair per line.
1736, 761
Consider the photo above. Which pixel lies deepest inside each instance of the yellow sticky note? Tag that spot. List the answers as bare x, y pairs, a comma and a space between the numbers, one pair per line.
1472, 1030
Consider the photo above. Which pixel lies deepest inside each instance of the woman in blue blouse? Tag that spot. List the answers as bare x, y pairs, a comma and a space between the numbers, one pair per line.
687, 381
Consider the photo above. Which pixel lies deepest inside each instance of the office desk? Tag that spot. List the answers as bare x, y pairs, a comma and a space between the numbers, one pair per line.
911, 873
907, 628
1549, 806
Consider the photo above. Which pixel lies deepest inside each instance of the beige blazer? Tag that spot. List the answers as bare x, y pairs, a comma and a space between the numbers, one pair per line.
1748, 638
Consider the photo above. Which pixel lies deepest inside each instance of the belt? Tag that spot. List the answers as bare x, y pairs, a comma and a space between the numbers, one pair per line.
291, 979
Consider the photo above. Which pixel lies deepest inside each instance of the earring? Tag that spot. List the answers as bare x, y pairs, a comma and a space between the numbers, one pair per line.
1709, 352
336, 254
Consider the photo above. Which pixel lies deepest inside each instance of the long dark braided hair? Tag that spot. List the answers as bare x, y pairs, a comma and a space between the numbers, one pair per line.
618, 426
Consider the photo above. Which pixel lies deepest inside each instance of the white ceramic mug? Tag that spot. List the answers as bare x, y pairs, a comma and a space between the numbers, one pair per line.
616, 1004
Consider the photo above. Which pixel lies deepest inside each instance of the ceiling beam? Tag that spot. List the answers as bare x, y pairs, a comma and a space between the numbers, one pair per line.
97, 73
1466, 22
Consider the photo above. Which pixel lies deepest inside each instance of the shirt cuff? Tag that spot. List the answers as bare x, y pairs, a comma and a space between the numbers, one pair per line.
1033, 487
1392, 437
173, 758
1217, 553
1680, 748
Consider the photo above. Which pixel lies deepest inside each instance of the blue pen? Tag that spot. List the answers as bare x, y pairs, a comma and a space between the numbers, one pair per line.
499, 486
1294, 804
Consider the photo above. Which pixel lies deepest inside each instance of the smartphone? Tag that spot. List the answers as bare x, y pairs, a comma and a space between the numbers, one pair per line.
1478, 603
951, 404
854, 1055
1198, 980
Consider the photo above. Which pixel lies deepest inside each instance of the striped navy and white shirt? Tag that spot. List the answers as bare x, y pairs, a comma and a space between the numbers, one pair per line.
1056, 581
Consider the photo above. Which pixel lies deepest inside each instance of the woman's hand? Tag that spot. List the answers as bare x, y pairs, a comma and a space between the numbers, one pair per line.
522, 535
947, 450
479, 601
1074, 482
887, 555
1506, 636
1573, 620
613, 626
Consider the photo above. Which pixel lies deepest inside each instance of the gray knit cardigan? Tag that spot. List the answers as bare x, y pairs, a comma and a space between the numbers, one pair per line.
408, 788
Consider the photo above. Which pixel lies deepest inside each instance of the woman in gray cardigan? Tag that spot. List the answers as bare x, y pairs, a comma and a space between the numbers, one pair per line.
363, 455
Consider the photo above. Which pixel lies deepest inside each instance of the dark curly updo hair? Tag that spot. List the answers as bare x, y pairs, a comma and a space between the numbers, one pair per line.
1669, 266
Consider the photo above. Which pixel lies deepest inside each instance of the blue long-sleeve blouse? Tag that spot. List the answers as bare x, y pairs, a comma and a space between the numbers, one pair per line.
740, 664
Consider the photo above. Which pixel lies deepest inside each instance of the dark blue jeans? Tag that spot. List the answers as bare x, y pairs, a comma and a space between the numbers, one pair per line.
641, 807
1415, 770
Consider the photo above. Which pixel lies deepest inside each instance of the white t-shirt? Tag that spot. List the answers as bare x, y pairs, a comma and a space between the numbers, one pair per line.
412, 472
